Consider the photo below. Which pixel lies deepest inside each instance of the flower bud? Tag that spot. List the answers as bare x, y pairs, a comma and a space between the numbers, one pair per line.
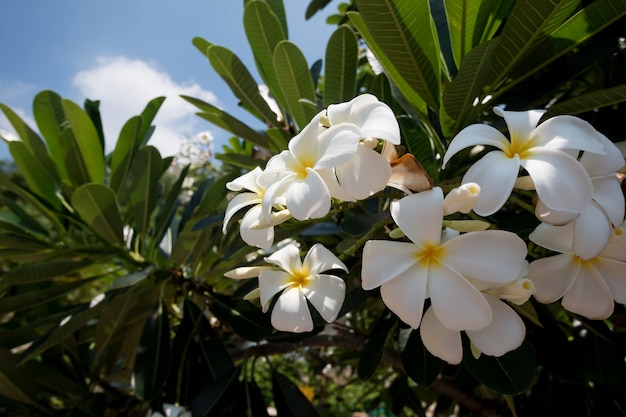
517, 292
461, 199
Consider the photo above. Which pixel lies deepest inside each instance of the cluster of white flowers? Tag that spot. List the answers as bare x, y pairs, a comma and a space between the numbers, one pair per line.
437, 279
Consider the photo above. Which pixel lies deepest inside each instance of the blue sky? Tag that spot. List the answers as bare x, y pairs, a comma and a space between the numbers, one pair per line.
124, 53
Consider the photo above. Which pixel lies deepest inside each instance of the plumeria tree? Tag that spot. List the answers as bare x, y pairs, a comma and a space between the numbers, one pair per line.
428, 220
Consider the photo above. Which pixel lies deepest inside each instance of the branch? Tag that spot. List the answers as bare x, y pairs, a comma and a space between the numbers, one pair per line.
355, 343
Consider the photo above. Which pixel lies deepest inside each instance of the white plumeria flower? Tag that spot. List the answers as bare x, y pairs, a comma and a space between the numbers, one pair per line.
367, 172
504, 333
461, 199
429, 266
171, 410
561, 182
594, 226
254, 230
585, 286
298, 281
293, 175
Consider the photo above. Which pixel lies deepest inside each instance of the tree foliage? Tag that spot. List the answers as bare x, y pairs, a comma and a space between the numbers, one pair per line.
113, 299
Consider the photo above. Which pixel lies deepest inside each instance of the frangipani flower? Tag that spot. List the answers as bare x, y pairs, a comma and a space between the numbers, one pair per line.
461, 199
409, 272
261, 236
560, 180
503, 334
293, 174
298, 281
367, 172
594, 226
587, 287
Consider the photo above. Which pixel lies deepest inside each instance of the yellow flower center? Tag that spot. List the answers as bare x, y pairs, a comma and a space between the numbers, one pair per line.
519, 146
300, 278
431, 255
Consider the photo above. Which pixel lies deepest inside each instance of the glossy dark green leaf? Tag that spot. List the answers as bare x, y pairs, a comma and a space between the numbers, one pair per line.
589, 101
404, 30
420, 365
92, 108
132, 278
264, 31
420, 145
240, 81
342, 57
211, 397
315, 6
147, 116
38, 179
146, 171
375, 344
602, 360
202, 45
295, 82
14, 383
97, 206
124, 152
152, 362
39, 272
62, 331
256, 403
248, 323
289, 400
512, 373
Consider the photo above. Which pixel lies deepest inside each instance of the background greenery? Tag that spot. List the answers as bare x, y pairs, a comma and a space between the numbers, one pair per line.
112, 295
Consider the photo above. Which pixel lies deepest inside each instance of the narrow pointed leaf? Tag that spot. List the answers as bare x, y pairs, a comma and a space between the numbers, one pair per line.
146, 172
375, 344
152, 362
114, 316
289, 400
97, 206
341, 65
405, 31
39, 272
35, 175
590, 101
295, 81
124, 152
209, 398
315, 6
168, 209
147, 116
202, 45
14, 383
92, 108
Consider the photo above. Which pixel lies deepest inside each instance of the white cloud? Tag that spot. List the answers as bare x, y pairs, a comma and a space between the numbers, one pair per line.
124, 86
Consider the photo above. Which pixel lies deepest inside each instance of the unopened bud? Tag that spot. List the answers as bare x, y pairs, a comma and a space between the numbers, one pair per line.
275, 219
467, 225
517, 292
370, 142
461, 199
245, 272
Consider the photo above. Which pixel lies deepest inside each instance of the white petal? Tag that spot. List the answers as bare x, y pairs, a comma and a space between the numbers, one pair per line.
330, 179
553, 276
561, 182
589, 296
495, 256
405, 295
384, 260
601, 165
614, 274
236, 203
377, 120
365, 174
567, 132
592, 231
456, 302
495, 173
287, 258
442, 342
305, 145
270, 284
326, 293
555, 238
246, 181
320, 259
291, 312
474, 135
308, 199
520, 123
553, 217
420, 216
260, 237
505, 332
616, 249
608, 194
337, 145
275, 192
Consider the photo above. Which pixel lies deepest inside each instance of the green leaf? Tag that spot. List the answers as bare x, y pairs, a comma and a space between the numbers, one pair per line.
35, 175
92, 108
589, 101
404, 30
375, 344
231, 124
33, 142
528, 23
209, 398
124, 152
256, 402
14, 383
85, 149
467, 22
289, 400
342, 58
512, 373
44, 271
65, 329
464, 94
114, 316
420, 365
315, 6
97, 205
152, 362
201, 44
145, 172
295, 82
240, 81
249, 324
30, 299
132, 279
264, 31
420, 145
147, 116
